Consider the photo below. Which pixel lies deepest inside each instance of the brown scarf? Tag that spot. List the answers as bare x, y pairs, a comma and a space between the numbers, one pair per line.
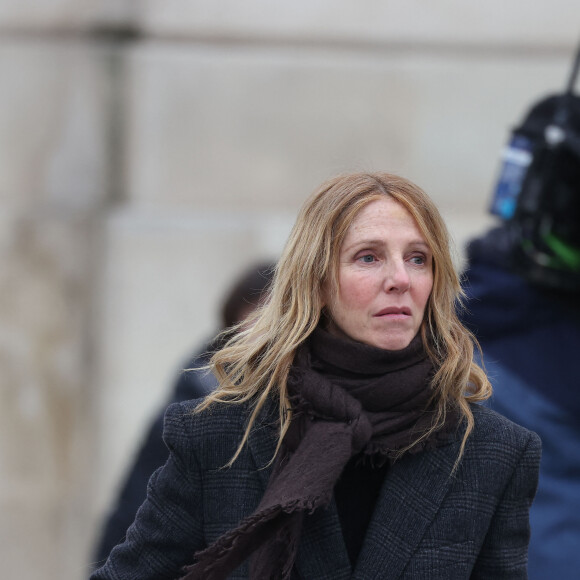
347, 398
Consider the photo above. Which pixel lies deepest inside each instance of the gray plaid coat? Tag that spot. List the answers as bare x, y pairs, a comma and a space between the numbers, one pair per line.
427, 523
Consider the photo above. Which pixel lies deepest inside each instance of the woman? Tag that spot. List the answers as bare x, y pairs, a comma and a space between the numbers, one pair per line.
344, 440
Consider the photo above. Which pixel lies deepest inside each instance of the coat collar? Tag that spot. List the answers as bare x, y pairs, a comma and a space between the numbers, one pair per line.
417, 482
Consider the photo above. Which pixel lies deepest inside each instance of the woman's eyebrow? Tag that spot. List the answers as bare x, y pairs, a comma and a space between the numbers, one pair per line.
379, 242
362, 243
421, 243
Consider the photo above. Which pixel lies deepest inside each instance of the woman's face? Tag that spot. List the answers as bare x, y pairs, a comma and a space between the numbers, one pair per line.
385, 277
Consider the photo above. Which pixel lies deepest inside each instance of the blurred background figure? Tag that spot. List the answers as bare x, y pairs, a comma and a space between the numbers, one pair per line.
243, 297
523, 283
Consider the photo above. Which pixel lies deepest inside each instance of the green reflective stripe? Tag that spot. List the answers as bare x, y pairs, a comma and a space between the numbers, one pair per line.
568, 255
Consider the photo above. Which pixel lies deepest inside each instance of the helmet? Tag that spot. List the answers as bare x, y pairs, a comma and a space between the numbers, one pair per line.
538, 192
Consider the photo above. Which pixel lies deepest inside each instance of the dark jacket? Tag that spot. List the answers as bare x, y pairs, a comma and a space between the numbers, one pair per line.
190, 384
530, 339
428, 521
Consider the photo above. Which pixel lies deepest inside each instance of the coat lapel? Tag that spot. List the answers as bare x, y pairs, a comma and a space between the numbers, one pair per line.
410, 498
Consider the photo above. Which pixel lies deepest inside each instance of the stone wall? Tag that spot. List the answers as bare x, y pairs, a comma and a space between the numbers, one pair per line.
150, 150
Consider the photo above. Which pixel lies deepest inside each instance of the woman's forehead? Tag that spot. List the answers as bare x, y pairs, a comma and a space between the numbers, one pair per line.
381, 218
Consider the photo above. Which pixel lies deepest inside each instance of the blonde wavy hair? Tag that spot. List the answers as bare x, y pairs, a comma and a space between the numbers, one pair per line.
253, 366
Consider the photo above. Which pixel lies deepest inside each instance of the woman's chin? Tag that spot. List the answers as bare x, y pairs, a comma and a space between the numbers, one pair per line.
391, 342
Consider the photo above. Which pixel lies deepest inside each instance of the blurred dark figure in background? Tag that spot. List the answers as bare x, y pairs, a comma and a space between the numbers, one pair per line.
240, 301
523, 282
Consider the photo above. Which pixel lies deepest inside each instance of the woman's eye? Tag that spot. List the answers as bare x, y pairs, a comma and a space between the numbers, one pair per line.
367, 259
419, 260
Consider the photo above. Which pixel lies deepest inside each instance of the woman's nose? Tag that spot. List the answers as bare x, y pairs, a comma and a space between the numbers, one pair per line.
397, 278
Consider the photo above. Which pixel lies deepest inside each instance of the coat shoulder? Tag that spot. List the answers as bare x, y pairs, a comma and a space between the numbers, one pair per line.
493, 428
186, 416
183, 421
212, 435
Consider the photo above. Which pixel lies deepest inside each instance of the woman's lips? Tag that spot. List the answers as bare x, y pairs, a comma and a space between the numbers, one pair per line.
394, 312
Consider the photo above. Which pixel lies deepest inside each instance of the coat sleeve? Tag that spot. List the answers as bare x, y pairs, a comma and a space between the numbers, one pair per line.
190, 384
168, 528
152, 455
504, 553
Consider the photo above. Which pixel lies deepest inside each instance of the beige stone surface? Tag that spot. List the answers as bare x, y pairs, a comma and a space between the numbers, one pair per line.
37, 515
44, 426
444, 22
64, 15
241, 128
55, 116
55, 111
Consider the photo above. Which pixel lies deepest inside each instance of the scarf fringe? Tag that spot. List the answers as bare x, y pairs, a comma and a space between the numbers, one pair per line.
210, 559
